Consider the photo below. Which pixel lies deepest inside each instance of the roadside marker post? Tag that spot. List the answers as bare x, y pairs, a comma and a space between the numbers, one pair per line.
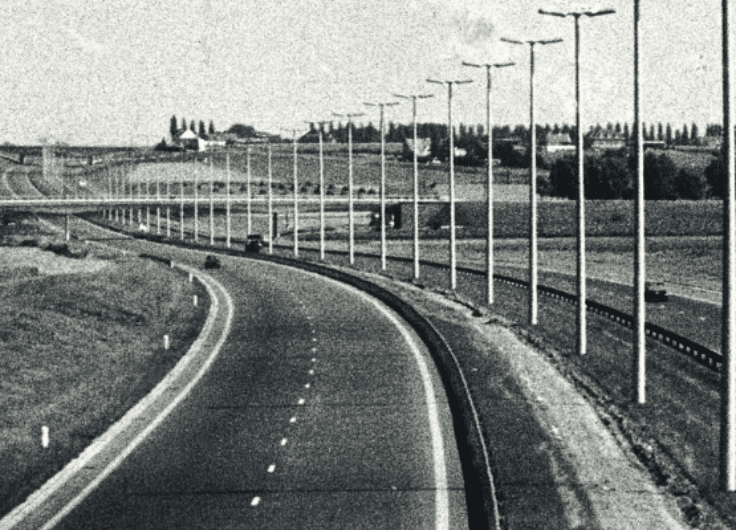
45, 437
166, 342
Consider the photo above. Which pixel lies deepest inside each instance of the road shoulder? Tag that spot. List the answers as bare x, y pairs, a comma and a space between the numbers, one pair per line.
555, 463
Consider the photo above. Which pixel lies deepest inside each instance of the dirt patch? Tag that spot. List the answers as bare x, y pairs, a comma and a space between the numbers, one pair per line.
46, 262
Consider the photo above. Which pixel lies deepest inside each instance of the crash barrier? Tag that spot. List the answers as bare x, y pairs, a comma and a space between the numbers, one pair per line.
701, 354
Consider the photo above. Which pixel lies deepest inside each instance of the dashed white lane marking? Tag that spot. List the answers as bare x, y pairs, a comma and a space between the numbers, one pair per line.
314, 339
283, 441
272, 468
256, 501
311, 372
300, 402
292, 419
314, 359
307, 385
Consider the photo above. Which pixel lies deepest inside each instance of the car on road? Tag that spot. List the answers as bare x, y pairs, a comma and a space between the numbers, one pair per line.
254, 243
655, 292
212, 262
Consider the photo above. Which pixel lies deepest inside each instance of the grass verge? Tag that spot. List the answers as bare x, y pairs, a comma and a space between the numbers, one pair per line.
79, 351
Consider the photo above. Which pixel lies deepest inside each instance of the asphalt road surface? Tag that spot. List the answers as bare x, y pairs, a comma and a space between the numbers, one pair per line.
321, 411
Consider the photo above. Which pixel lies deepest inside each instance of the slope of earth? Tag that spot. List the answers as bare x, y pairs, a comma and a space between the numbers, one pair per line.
82, 341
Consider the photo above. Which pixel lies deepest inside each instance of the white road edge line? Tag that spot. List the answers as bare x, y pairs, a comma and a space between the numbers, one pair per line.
41, 495
442, 508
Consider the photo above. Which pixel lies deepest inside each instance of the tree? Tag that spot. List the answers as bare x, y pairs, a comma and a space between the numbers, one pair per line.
694, 134
690, 184
192, 126
202, 129
183, 124
212, 127
660, 175
242, 131
684, 138
173, 127
668, 135
651, 132
715, 176
660, 132
627, 132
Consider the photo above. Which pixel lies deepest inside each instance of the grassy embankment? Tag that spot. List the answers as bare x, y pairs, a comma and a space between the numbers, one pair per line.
82, 342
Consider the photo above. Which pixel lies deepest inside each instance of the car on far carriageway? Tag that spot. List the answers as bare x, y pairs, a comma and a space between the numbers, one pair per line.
212, 262
655, 292
254, 243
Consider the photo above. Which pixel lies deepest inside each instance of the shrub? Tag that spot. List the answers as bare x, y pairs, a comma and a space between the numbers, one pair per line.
690, 184
660, 174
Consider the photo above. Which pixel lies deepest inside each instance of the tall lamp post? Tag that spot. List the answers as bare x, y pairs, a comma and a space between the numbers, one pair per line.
451, 135
728, 345
489, 185
582, 345
382, 126
414, 98
533, 271
639, 374
351, 221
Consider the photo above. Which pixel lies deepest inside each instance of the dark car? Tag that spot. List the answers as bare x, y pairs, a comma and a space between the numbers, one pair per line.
211, 262
655, 292
254, 243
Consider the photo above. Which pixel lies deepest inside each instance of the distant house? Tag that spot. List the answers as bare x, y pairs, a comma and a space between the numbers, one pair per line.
559, 143
606, 140
712, 141
423, 149
187, 139
654, 144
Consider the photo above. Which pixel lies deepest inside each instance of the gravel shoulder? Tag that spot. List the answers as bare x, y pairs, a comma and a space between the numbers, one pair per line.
556, 463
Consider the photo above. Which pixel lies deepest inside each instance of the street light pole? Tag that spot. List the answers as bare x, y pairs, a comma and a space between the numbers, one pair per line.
451, 135
582, 346
351, 222
533, 256
489, 184
639, 372
728, 333
414, 98
383, 179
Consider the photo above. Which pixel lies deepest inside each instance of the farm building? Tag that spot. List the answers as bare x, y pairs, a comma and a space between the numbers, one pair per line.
606, 140
559, 143
423, 149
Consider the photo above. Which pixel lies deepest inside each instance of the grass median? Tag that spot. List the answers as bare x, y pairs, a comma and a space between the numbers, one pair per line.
80, 349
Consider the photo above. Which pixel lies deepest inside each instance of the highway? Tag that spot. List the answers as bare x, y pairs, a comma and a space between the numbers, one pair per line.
321, 410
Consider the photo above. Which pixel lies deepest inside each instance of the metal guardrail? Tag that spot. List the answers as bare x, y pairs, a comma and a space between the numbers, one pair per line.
701, 354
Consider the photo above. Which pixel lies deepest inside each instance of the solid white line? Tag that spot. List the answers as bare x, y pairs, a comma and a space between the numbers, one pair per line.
442, 510
160, 418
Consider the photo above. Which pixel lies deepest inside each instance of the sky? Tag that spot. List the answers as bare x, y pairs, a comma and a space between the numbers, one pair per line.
113, 72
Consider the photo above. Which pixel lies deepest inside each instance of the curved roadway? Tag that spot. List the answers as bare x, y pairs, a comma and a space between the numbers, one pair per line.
321, 411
